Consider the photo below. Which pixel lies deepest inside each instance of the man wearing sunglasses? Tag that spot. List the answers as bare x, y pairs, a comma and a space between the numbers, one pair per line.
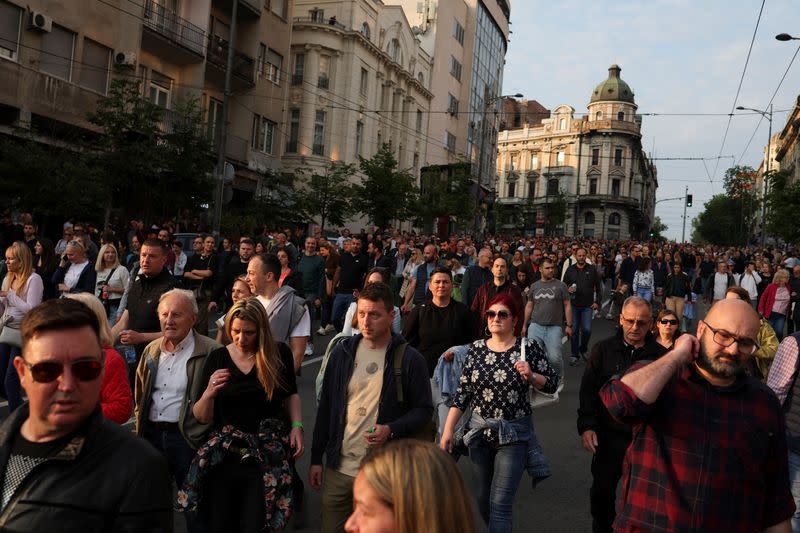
601, 435
64, 467
710, 450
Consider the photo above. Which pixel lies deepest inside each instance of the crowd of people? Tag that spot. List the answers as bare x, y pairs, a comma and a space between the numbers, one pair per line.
436, 348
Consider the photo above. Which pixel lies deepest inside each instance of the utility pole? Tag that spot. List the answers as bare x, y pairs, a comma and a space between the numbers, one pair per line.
685, 201
765, 185
220, 170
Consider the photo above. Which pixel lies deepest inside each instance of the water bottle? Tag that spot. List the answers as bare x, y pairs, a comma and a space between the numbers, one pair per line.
574, 287
127, 352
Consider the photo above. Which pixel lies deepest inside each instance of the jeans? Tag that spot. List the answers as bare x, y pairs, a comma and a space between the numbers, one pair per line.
794, 480
9, 379
581, 329
340, 304
777, 321
550, 338
326, 310
499, 469
642, 292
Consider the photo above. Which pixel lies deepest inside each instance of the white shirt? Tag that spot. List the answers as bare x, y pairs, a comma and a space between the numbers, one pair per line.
180, 264
750, 282
169, 384
73, 273
303, 327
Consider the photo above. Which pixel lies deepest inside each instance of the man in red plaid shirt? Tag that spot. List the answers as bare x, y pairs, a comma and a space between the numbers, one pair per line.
709, 446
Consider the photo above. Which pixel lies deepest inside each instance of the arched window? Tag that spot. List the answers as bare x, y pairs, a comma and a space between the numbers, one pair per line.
531, 187
614, 219
394, 51
588, 218
552, 187
599, 115
512, 189
365, 30
421, 78
621, 116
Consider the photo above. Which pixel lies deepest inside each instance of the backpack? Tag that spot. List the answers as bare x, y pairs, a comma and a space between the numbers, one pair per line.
428, 431
321, 374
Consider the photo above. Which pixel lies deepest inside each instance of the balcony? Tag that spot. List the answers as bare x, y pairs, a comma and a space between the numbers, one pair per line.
323, 82
243, 72
297, 79
558, 171
166, 34
247, 10
319, 21
624, 125
506, 200
609, 199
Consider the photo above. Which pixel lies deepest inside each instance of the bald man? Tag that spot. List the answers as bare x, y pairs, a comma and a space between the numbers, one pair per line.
709, 450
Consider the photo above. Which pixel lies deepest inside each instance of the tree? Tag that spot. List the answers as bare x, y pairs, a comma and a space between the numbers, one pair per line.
274, 204
328, 195
721, 221
385, 193
783, 204
446, 191
658, 228
555, 212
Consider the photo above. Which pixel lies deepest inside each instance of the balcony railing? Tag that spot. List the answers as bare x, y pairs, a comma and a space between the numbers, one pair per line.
323, 82
243, 65
560, 169
297, 79
606, 124
169, 24
321, 21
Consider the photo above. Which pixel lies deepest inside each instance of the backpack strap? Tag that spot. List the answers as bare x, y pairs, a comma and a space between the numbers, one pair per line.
399, 353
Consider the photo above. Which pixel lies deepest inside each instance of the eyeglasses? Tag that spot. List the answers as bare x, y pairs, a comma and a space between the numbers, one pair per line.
501, 315
631, 322
723, 338
670, 321
49, 371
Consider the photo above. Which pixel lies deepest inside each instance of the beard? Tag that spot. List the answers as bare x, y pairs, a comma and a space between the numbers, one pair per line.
712, 364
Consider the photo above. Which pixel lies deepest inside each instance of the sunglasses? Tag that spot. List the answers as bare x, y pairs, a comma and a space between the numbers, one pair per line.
631, 322
502, 315
49, 371
670, 321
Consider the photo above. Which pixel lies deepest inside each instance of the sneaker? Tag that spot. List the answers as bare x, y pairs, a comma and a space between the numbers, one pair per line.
329, 329
322, 331
609, 317
309, 349
584, 356
573, 361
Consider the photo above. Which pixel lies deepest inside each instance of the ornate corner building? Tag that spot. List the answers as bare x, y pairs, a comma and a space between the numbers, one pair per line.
593, 164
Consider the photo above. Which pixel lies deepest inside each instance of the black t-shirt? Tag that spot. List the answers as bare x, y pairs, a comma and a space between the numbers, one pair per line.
198, 262
432, 329
354, 268
243, 402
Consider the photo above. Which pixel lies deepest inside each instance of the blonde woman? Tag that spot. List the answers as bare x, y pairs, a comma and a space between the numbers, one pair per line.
21, 291
410, 270
112, 278
239, 291
409, 485
116, 400
246, 468
776, 301
75, 273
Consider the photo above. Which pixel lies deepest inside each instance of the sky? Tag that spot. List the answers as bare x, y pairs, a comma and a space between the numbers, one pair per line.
678, 56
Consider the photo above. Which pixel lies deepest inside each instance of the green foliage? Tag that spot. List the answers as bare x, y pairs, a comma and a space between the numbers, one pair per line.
555, 213
446, 191
783, 205
386, 193
658, 228
328, 195
740, 182
274, 204
724, 220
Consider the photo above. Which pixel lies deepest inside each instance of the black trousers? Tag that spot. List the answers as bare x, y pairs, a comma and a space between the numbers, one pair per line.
606, 472
233, 498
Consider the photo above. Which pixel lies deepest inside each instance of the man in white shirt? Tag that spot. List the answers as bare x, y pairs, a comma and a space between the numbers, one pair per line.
168, 379
749, 280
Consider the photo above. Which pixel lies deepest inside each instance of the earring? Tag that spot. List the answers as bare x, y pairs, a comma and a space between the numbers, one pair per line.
486, 332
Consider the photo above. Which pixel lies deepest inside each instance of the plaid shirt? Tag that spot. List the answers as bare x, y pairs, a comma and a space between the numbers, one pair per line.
781, 373
703, 458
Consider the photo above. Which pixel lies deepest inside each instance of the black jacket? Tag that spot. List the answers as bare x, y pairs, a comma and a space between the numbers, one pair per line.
610, 357
105, 479
332, 411
588, 285
87, 281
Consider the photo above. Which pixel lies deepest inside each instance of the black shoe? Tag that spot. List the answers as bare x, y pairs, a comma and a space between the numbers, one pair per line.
574, 361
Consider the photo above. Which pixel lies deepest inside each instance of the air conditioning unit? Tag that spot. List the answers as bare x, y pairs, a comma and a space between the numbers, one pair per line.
40, 22
125, 59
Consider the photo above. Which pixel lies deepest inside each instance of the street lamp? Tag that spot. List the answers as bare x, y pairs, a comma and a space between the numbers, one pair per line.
786, 37
767, 115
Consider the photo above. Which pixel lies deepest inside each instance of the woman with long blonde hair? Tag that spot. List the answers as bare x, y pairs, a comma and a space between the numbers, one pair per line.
21, 291
410, 485
252, 403
112, 278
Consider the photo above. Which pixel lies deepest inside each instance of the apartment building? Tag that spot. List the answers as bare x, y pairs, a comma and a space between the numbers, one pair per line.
58, 58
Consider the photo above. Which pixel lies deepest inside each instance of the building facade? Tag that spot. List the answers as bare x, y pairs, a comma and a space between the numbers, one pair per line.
58, 58
787, 149
593, 164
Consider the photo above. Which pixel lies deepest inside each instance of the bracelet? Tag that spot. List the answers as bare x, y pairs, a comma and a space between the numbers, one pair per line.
568, 326
297, 425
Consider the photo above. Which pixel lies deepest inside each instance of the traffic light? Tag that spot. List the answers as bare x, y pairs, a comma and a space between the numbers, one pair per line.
688, 200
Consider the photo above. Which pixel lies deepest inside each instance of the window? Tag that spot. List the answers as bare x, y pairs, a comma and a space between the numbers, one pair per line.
512, 189
449, 141
621, 116
319, 133
552, 187
394, 51
618, 157
299, 68
278, 7
532, 188
262, 59
455, 68
96, 63
593, 186
562, 123
9, 30
415, 164
364, 81
560, 157
614, 219
58, 47
595, 156
365, 30
160, 87
458, 32
214, 120
419, 120
421, 78
534, 161
317, 15
323, 82
263, 134
272, 69
588, 218
359, 137
294, 131
615, 188
452, 104
599, 115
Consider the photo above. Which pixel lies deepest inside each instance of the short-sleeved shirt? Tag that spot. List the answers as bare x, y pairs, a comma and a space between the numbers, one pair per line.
548, 302
199, 262
354, 268
243, 402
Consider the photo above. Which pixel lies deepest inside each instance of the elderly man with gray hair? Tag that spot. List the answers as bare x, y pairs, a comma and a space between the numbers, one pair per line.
168, 377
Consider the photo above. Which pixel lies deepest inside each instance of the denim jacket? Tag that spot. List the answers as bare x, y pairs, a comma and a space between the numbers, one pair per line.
508, 432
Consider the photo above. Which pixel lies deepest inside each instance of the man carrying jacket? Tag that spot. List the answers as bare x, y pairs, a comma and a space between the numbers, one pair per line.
63, 466
360, 405
600, 434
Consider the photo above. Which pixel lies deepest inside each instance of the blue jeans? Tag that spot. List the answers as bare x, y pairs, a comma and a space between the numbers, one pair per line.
777, 321
550, 338
794, 480
647, 294
499, 470
581, 329
9, 379
340, 304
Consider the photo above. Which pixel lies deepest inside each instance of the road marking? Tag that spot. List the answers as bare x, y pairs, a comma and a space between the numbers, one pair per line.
311, 361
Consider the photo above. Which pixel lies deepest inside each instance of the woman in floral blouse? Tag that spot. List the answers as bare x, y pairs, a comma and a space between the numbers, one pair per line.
494, 384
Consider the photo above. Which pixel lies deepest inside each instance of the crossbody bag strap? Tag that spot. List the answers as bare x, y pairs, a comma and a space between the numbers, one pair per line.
399, 353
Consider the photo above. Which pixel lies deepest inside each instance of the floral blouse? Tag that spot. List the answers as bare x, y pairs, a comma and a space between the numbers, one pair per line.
492, 386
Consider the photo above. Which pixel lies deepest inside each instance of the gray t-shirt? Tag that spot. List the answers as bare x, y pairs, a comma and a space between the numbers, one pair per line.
548, 302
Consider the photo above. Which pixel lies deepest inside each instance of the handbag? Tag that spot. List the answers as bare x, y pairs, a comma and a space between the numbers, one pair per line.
9, 334
536, 397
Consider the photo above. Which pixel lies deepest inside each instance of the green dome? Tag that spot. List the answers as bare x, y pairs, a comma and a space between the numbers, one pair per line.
613, 88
